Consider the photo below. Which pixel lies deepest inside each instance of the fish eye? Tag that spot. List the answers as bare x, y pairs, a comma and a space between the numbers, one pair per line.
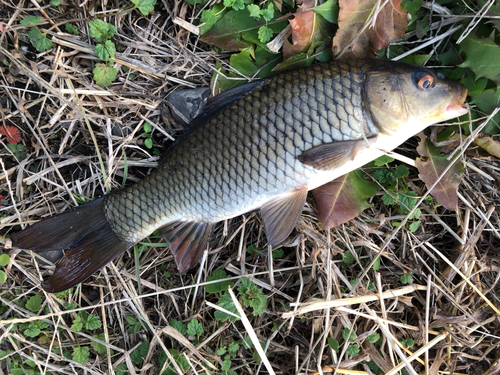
424, 80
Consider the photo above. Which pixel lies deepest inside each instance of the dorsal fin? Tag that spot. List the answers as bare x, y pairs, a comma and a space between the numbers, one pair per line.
187, 240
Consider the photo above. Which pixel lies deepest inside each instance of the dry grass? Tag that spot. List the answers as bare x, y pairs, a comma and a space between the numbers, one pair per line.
71, 132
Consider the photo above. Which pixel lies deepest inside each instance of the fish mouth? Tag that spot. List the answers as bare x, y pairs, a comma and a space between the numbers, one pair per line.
457, 106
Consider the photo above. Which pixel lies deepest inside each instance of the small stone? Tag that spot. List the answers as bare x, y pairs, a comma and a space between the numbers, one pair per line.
189, 103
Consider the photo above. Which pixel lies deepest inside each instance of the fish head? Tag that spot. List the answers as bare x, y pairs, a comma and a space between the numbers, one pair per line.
398, 95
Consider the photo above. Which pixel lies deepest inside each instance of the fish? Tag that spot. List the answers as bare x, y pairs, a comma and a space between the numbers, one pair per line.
259, 146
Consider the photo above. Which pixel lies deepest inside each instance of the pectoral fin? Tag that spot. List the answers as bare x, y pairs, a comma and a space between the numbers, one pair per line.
332, 155
280, 214
187, 240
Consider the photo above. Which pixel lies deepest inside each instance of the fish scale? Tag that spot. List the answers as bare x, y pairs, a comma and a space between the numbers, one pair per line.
236, 161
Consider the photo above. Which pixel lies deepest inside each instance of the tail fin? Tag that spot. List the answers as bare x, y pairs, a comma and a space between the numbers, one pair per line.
85, 235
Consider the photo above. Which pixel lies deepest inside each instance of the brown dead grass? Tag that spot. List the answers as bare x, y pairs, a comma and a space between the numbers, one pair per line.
451, 310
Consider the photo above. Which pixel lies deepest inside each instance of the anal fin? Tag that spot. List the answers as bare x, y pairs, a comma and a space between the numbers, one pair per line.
281, 213
187, 240
332, 155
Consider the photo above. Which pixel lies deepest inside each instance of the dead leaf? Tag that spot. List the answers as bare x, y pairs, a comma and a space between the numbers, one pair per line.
307, 30
390, 24
11, 134
343, 199
431, 166
488, 144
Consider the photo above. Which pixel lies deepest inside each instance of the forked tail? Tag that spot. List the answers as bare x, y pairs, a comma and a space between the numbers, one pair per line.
85, 236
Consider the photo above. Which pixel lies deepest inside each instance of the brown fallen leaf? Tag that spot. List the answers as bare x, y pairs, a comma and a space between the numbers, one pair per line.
390, 24
343, 199
431, 166
304, 26
488, 144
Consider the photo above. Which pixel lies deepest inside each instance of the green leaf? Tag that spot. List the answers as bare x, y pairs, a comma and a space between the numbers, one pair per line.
407, 200
482, 56
97, 346
208, 17
138, 354
4, 260
226, 363
218, 287
226, 302
406, 278
353, 350
415, 225
145, 6
93, 322
39, 41
373, 338
401, 171
100, 30
254, 11
179, 326
55, 3
384, 176
105, 51
34, 303
194, 328
233, 348
268, 13
383, 160
329, 10
487, 101
77, 324
252, 296
265, 34
221, 351
389, 198
32, 331
3, 277
334, 344
31, 20
71, 29
347, 335
237, 30
343, 199
348, 258
131, 320
376, 264
278, 253
148, 142
81, 354
104, 75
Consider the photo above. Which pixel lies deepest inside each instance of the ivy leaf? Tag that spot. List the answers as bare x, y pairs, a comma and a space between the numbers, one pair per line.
31, 20
431, 166
81, 354
97, 346
265, 34
487, 101
209, 18
138, 354
32, 330
254, 11
252, 296
343, 199
268, 13
104, 75
348, 335
93, 322
39, 41
353, 350
71, 29
218, 287
390, 24
100, 30
77, 324
194, 328
179, 326
482, 56
11, 133
145, 6
105, 51
34, 303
